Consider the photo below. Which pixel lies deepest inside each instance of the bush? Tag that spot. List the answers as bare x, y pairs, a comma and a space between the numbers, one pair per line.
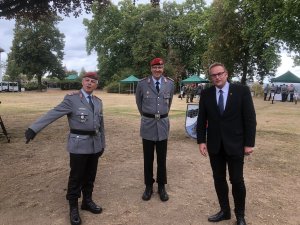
113, 87
33, 86
70, 85
257, 89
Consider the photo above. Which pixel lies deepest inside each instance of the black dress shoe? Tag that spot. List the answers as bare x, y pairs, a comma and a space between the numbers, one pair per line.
222, 215
91, 206
163, 195
74, 216
240, 221
147, 193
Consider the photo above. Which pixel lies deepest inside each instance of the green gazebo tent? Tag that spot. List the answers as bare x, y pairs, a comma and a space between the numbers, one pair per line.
194, 79
132, 80
72, 77
287, 77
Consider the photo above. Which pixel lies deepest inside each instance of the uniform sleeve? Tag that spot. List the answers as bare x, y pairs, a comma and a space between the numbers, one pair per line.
201, 120
64, 108
102, 130
171, 94
139, 97
249, 118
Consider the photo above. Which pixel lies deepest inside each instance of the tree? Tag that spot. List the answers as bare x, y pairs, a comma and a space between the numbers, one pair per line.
240, 39
129, 36
34, 9
37, 49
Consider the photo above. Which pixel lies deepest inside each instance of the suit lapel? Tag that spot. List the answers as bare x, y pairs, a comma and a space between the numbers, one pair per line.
213, 93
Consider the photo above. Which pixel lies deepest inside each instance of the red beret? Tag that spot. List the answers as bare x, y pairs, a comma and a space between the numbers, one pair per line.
92, 75
157, 61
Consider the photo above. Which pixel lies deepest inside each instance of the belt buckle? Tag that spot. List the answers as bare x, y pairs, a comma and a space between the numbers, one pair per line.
157, 116
96, 132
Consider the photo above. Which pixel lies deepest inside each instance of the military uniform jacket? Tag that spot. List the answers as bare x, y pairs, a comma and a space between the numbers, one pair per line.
80, 117
149, 101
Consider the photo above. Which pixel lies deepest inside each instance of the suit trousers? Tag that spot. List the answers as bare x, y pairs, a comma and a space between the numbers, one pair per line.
82, 175
235, 166
161, 153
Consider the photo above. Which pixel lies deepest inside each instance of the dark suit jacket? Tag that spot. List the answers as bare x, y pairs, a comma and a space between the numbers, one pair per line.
236, 128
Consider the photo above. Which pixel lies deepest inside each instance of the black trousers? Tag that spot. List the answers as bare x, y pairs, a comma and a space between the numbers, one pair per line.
235, 165
82, 175
161, 153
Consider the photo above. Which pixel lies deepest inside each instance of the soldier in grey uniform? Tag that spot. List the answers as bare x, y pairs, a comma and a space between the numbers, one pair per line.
86, 142
154, 96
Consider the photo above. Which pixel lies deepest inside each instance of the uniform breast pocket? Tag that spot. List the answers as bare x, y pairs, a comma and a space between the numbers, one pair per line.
82, 116
167, 97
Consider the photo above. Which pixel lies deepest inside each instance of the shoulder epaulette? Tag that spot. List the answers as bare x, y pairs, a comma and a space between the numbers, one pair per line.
170, 79
143, 78
97, 97
74, 93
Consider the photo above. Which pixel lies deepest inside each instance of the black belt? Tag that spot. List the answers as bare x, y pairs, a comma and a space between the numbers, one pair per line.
156, 116
84, 132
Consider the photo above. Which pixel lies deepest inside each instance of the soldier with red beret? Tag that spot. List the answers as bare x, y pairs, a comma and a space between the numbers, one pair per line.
154, 96
86, 142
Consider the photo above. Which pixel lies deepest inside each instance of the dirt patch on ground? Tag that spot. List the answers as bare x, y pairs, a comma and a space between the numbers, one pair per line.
34, 176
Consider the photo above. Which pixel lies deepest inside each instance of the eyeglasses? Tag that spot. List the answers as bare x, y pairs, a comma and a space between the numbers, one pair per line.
93, 81
220, 74
157, 67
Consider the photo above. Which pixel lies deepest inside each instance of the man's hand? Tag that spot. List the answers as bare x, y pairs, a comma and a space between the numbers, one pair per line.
203, 149
29, 135
248, 150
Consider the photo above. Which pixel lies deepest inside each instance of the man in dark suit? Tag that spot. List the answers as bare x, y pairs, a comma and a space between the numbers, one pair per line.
226, 128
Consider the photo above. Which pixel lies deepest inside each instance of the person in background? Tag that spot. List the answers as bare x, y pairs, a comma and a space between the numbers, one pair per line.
226, 128
198, 91
86, 142
272, 91
284, 93
154, 95
291, 90
266, 91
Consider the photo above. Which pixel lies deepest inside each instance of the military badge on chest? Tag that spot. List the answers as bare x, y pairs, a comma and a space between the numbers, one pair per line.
82, 114
83, 118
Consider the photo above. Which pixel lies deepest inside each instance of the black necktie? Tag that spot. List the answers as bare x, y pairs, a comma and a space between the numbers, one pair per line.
221, 102
90, 102
157, 86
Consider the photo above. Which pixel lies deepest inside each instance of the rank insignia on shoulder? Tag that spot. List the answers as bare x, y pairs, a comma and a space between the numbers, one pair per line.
73, 93
170, 79
97, 98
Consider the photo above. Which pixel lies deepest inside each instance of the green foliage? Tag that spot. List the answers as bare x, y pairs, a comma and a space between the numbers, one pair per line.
70, 85
257, 88
112, 87
37, 49
33, 86
240, 38
131, 36
35, 9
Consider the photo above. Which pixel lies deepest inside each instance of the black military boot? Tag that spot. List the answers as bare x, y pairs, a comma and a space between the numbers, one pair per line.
74, 213
89, 205
163, 195
147, 193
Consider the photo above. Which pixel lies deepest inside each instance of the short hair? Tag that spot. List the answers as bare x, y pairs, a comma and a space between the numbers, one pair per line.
216, 64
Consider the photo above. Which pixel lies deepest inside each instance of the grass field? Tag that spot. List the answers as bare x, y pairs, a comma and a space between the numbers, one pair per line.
34, 176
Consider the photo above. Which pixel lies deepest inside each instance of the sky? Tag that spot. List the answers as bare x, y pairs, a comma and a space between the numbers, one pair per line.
76, 57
